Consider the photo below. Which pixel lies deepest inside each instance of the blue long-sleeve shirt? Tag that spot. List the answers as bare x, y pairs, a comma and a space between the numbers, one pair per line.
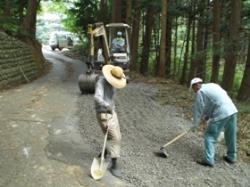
104, 96
213, 102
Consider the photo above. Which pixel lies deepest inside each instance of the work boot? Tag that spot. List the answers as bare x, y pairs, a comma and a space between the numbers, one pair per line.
228, 160
204, 163
114, 169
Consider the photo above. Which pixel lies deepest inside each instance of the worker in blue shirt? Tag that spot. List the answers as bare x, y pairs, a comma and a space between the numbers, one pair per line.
213, 103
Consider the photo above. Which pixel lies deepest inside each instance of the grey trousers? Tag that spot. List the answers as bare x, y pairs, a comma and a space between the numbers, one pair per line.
114, 133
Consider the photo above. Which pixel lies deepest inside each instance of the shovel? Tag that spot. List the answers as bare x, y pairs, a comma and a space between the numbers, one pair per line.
99, 165
163, 153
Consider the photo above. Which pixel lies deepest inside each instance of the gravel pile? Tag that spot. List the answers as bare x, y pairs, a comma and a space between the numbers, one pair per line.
145, 126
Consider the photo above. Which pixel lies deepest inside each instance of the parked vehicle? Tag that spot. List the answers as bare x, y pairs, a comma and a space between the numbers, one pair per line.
60, 40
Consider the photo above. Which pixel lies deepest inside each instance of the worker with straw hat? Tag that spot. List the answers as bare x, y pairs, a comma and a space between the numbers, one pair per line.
113, 78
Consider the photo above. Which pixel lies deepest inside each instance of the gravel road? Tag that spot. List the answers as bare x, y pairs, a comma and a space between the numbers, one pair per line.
49, 137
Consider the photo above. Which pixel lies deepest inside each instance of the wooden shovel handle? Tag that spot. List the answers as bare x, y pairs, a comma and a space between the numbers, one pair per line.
176, 138
103, 148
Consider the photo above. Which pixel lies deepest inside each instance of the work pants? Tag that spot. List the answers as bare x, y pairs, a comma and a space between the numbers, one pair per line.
212, 133
114, 134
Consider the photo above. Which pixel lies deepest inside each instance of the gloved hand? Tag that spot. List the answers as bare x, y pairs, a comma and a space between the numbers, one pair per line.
193, 128
206, 118
109, 109
105, 117
105, 125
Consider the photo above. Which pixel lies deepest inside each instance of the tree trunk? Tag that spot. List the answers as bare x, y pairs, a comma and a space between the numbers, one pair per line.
231, 52
103, 13
147, 40
193, 60
180, 56
117, 11
175, 44
168, 43
161, 70
200, 43
185, 63
29, 22
128, 11
21, 6
206, 40
29, 31
135, 34
7, 7
216, 40
244, 91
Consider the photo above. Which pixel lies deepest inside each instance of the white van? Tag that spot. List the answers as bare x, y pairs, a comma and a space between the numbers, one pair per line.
60, 40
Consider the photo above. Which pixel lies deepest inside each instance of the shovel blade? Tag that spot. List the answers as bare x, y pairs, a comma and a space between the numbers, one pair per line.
98, 169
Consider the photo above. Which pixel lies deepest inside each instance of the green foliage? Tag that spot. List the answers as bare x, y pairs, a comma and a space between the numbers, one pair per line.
246, 13
84, 13
10, 25
244, 107
237, 78
58, 7
69, 24
155, 4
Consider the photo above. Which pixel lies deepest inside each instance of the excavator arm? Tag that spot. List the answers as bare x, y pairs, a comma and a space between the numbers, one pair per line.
97, 30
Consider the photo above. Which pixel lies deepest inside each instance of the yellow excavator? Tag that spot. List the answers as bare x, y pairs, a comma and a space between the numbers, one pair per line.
104, 53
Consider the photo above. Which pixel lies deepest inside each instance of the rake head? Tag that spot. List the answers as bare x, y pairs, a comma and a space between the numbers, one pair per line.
162, 153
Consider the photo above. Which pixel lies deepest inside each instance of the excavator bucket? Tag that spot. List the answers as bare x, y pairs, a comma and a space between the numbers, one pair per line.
87, 82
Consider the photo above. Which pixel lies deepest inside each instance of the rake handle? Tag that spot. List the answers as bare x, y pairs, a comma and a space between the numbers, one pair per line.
176, 138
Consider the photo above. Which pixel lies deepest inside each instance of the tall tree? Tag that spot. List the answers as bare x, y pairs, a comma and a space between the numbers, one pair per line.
29, 22
169, 37
162, 63
117, 11
7, 8
21, 6
216, 40
200, 71
231, 50
186, 54
192, 67
175, 44
103, 15
244, 91
147, 39
136, 19
206, 38
128, 11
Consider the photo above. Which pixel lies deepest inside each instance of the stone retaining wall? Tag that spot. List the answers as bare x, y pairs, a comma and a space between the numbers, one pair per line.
17, 64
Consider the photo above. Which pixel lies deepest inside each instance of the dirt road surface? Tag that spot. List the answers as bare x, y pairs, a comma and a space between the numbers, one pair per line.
49, 137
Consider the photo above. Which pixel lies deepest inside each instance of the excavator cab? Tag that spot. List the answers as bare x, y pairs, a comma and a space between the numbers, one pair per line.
116, 46
119, 46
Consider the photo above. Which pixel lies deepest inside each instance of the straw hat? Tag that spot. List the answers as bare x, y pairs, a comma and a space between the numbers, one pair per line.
114, 75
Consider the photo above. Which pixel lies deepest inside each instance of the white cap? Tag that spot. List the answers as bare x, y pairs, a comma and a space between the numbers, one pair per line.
194, 81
